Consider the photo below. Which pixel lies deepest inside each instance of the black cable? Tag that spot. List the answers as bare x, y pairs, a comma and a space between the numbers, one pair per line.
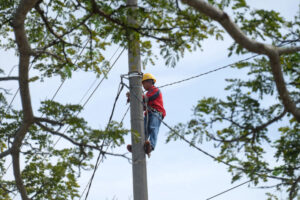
217, 69
121, 86
93, 92
103, 78
63, 82
125, 114
97, 78
228, 190
12, 100
211, 71
11, 70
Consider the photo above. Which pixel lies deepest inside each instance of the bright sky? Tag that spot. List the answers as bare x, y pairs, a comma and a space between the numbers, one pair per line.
175, 170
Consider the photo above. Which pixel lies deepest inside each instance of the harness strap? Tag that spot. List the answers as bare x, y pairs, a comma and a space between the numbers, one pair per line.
154, 96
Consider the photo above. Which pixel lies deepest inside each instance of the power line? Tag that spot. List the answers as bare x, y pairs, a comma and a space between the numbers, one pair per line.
103, 78
121, 86
228, 190
62, 83
93, 91
182, 137
211, 71
214, 70
11, 70
12, 100
199, 75
125, 114
83, 96
90, 96
97, 78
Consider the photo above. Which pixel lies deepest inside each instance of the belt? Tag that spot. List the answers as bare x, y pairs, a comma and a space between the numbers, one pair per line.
154, 110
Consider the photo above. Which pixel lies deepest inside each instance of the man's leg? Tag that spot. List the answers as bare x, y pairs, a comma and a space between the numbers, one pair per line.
153, 127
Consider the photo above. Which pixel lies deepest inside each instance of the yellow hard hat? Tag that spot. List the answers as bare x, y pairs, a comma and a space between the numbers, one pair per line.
148, 76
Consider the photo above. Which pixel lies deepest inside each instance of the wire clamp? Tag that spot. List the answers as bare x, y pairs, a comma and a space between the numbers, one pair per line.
135, 74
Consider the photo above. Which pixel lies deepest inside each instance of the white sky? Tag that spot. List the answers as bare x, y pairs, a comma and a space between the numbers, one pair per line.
175, 170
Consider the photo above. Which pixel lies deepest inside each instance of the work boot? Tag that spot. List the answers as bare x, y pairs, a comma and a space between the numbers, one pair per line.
148, 148
129, 148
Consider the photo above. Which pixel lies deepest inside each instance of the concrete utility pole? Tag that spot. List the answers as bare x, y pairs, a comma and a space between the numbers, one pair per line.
140, 188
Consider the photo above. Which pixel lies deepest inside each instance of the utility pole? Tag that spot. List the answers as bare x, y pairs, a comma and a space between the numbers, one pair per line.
139, 170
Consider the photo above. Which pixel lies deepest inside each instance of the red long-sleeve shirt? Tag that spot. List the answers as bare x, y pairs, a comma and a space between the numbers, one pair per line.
155, 100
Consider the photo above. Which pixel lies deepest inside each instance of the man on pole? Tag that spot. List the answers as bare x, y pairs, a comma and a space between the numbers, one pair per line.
154, 112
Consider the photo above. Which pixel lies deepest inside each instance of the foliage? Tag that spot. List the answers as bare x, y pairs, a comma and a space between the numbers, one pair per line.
73, 35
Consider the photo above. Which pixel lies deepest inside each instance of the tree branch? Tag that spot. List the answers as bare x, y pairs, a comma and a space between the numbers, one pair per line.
9, 78
54, 42
5, 153
253, 131
7, 20
24, 49
294, 191
232, 29
5, 189
57, 57
98, 11
238, 36
17, 174
79, 144
287, 101
48, 26
288, 50
52, 122
275, 119
70, 31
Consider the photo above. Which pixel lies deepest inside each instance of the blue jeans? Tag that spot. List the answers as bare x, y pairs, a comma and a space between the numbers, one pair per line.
151, 131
